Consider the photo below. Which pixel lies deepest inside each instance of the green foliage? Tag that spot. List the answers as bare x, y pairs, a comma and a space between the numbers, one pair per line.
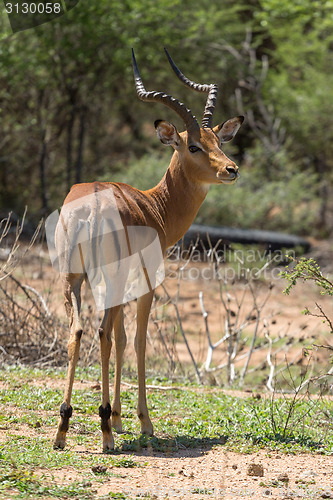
213, 419
29, 485
145, 172
282, 203
68, 109
307, 270
127, 462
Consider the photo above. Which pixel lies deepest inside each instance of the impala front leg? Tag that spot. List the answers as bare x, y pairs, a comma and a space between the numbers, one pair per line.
72, 287
120, 344
144, 305
105, 408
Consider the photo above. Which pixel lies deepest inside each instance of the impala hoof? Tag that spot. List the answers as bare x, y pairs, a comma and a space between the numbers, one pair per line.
59, 443
148, 432
116, 423
108, 446
146, 425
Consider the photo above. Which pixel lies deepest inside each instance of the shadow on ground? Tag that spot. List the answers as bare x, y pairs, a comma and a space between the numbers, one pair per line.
156, 445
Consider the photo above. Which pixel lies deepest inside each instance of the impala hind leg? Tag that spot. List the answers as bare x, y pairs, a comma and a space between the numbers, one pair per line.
105, 345
120, 344
144, 305
72, 289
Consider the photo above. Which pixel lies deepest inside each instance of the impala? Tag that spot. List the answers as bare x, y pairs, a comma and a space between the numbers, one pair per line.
169, 209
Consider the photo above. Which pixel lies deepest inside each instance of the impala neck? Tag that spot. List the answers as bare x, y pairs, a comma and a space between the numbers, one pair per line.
179, 198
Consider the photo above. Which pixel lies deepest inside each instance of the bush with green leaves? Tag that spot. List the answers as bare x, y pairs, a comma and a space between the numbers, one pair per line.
307, 269
282, 202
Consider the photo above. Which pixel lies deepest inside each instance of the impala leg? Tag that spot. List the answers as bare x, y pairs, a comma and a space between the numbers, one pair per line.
105, 345
144, 305
120, 344
72, 288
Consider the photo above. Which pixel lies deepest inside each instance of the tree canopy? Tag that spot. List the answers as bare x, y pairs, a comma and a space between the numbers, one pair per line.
69, 112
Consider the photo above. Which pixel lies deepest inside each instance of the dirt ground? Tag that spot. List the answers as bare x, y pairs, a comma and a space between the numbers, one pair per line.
214, 472
221, 474
194, 473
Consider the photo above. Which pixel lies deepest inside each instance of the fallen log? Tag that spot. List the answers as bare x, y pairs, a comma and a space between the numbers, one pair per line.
211, 236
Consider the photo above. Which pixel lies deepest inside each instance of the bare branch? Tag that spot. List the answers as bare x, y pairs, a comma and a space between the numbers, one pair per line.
270, 364
12, 257
174, 303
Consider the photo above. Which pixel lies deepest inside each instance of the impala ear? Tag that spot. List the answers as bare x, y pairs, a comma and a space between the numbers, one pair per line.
167, 133
227, 130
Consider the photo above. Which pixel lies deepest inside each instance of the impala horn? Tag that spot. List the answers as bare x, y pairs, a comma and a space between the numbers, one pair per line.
211, 89
180, 108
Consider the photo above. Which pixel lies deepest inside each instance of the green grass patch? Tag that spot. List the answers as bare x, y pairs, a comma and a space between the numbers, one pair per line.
183, 419
24, 483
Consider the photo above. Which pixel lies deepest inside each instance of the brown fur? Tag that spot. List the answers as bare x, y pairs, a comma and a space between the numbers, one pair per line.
169, 208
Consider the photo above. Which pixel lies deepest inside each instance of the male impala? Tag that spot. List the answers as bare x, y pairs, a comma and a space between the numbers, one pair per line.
169, 209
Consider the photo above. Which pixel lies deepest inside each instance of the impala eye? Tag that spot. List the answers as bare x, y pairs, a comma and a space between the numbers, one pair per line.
194, 149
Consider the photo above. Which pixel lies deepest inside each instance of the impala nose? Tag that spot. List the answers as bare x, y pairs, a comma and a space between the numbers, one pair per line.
232, 170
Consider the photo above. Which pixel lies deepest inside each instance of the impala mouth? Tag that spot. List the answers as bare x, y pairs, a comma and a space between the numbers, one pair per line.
230, 180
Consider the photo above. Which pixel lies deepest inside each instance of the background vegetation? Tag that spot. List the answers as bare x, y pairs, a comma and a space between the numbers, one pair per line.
69, 113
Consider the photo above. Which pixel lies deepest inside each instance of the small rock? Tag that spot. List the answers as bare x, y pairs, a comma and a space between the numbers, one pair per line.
96, 387
255, 470
186, 474
283, 477
99, 469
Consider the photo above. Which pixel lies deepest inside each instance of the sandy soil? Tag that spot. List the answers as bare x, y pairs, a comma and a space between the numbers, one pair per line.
214, 472
221, 474
210, 472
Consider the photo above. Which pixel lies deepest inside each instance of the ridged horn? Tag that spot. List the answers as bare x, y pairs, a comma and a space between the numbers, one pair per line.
211, 89
180, 108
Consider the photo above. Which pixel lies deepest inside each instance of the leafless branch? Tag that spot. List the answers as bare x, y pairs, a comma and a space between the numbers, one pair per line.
175, 305
12, 257
269, 383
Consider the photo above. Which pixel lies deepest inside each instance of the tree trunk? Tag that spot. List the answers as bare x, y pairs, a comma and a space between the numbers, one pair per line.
79, 159
42, 174
323, 193
69, 148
